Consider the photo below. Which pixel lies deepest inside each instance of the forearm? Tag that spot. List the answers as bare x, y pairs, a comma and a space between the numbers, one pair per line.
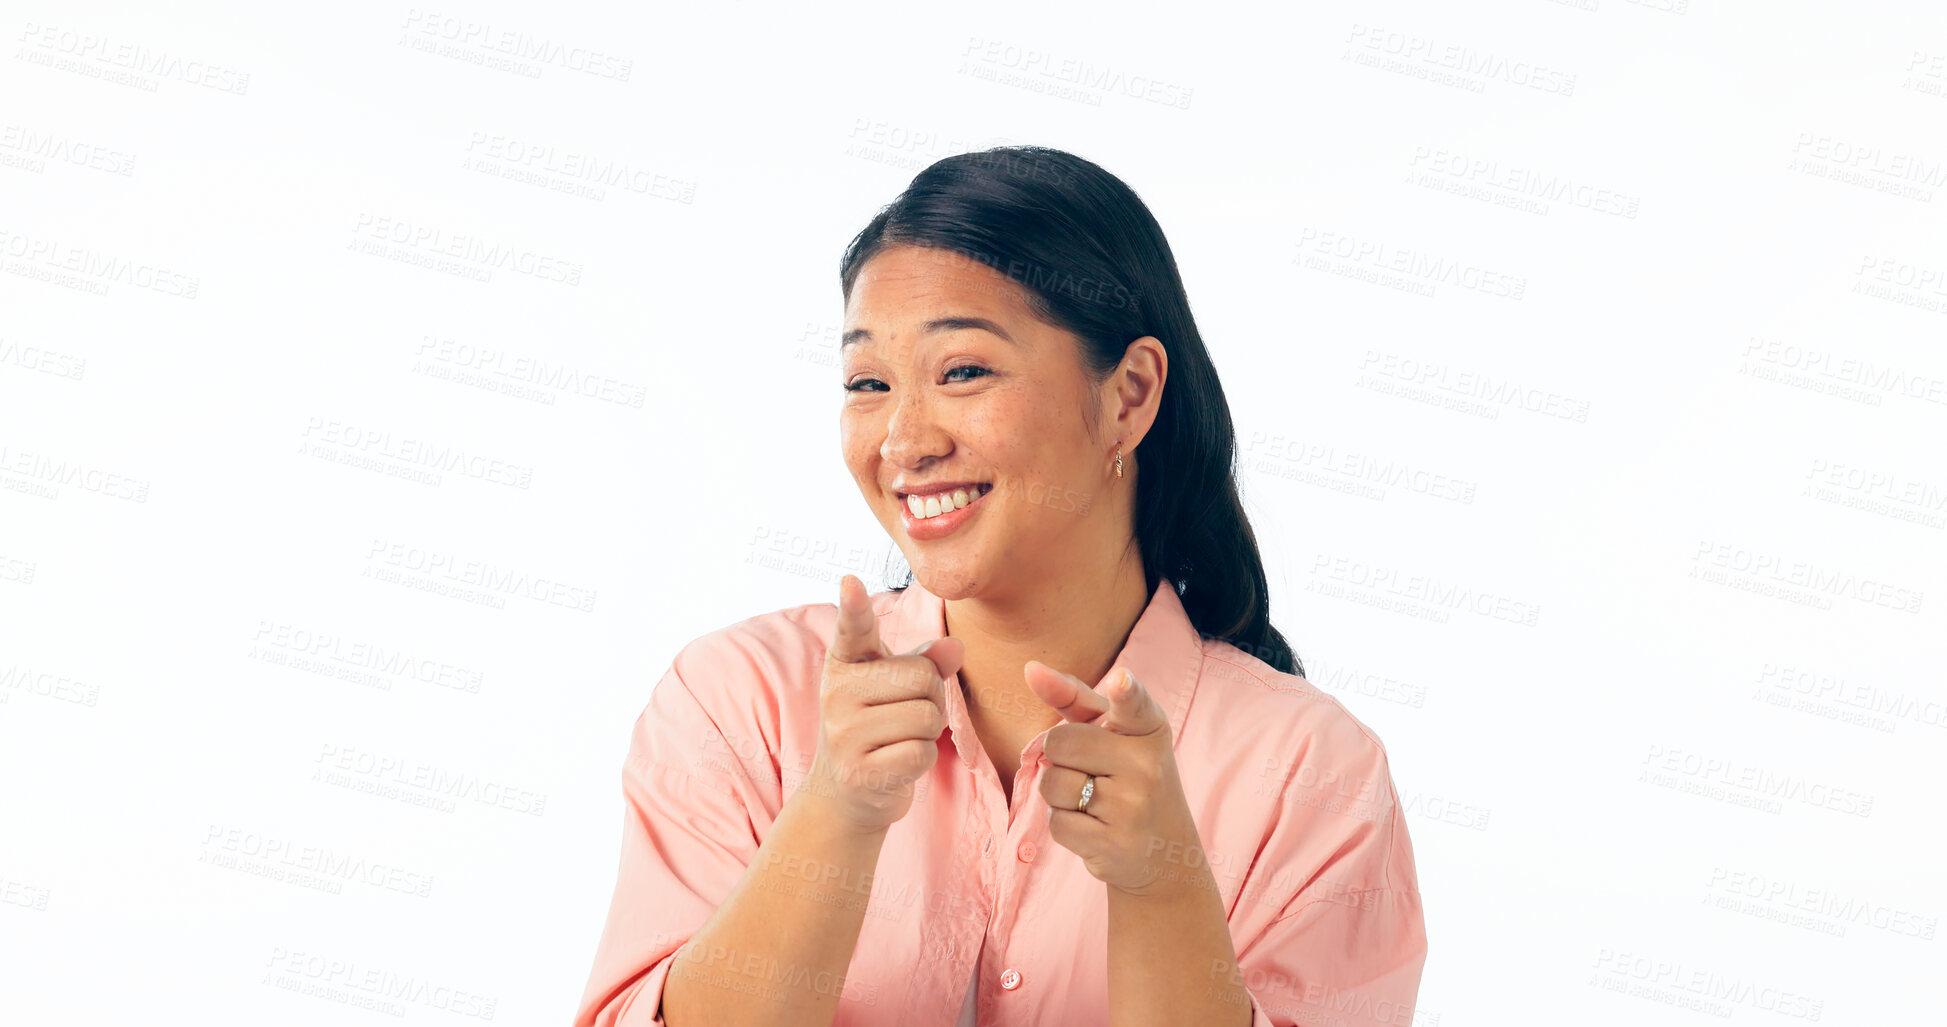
777, 950
1170, 955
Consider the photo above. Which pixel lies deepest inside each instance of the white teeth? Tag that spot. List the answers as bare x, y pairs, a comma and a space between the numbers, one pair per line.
946, 502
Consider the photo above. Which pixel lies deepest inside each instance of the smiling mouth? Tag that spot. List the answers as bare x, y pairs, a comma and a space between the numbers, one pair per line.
930, 506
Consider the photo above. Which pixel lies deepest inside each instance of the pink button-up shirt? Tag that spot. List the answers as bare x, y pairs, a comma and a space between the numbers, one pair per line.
1295, 807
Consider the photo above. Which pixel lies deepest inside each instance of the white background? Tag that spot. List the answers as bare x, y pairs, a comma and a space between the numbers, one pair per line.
1586, 362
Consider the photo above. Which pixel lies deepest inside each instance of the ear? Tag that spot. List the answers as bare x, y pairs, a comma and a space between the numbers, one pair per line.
1136, 391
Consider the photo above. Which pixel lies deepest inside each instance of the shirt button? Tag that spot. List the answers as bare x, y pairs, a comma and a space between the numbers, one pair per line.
1026, 852
1010, 978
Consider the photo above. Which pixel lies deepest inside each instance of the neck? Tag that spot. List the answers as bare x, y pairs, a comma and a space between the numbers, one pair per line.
1075, 623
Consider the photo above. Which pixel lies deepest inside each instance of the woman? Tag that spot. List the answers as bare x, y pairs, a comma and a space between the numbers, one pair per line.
1068, 774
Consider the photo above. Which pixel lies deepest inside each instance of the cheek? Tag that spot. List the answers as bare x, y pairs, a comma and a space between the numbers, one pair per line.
1014, 429
853, 435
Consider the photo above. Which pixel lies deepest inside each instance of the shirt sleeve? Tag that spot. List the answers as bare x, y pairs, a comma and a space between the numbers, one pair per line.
688, 835
1349, 946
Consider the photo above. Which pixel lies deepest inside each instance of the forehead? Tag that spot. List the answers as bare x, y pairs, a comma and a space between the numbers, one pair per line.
914, 282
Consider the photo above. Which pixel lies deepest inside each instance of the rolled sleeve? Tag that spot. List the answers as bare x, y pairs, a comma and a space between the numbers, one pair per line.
688, 836
1347, 948
1351, 962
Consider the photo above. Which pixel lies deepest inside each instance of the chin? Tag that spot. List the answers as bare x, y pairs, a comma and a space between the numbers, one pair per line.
946, 581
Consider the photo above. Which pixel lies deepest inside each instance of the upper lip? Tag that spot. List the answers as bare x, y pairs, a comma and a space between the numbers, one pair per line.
935, 488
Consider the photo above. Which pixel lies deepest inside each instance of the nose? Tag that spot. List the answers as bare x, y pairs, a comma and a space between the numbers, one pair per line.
912, 434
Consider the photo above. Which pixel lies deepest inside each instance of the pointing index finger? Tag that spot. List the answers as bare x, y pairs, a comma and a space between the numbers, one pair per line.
1066, 693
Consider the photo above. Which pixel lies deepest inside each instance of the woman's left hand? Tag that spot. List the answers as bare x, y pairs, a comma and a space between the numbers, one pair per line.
1137, 834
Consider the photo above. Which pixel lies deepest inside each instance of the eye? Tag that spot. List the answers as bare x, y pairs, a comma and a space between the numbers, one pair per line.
863, 384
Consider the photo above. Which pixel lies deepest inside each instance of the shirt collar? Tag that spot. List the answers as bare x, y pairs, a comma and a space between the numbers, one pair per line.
1163, 650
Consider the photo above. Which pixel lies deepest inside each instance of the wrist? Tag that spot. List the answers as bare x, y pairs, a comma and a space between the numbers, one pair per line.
1170, 886
1176, 871
821, 807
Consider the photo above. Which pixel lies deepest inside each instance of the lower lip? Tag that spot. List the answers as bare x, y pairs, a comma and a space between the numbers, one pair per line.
927, 528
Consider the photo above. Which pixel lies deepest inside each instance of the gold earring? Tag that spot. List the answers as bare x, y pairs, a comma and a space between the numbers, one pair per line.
1118, 461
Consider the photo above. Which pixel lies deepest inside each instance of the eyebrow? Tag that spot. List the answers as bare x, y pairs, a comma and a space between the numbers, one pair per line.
934, 327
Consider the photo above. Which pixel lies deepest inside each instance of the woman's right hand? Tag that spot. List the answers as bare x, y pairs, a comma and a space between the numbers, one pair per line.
880, 716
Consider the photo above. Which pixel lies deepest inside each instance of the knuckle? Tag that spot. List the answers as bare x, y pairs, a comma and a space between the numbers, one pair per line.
913, 759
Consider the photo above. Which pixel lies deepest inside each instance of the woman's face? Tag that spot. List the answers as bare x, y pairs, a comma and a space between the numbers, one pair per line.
934, 399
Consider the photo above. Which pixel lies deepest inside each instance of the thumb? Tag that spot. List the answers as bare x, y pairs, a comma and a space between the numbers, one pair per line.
1131, 709
855, 638
946, 652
